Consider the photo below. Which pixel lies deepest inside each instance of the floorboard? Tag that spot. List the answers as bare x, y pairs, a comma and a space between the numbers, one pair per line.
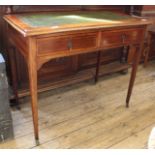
88, 115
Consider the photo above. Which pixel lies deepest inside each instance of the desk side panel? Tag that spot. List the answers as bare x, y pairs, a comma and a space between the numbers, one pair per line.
17, 40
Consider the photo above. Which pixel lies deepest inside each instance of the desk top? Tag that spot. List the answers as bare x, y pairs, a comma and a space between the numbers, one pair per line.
42, 23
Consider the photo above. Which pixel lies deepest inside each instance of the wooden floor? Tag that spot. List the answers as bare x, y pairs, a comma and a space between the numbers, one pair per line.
86, 115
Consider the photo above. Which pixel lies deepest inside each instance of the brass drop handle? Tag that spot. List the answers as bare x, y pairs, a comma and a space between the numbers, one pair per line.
123, 38
69, 44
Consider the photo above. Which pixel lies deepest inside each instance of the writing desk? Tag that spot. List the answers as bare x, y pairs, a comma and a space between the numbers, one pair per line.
41, 37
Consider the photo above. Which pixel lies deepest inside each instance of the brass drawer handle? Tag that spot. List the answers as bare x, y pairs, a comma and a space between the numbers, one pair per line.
69, 44
123, 38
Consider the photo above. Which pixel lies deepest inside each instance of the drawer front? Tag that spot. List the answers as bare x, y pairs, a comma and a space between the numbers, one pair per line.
84, 42
52, 45
120, 37
66, 44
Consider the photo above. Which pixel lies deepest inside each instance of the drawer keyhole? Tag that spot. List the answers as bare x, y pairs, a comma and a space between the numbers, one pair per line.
69, 44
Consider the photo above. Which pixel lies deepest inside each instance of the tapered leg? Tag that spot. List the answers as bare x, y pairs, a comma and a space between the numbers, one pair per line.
97, 65
146, 56
33, 92
123, 59
137, 55
12, 58
32, 70
147, 50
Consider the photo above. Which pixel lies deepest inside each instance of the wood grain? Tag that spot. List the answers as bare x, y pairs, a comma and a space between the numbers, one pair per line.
28, 25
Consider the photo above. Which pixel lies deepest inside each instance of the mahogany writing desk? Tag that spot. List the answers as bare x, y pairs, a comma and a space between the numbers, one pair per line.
41, 37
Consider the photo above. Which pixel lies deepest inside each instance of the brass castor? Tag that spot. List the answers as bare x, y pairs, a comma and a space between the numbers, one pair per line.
37, 142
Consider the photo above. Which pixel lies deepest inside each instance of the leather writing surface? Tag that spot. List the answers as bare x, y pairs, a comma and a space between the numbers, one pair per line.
57, 19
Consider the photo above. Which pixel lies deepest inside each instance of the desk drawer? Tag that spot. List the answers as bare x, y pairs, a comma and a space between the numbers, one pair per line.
52, 45
65, 44
84, 42
120, 37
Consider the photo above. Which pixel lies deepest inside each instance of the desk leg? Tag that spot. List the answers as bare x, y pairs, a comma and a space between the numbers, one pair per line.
97, 65
137, 55
123, 59
32, 69
12, 58
147, 50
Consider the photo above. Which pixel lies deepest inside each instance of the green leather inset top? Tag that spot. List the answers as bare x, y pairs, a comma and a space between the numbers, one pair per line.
59, 19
